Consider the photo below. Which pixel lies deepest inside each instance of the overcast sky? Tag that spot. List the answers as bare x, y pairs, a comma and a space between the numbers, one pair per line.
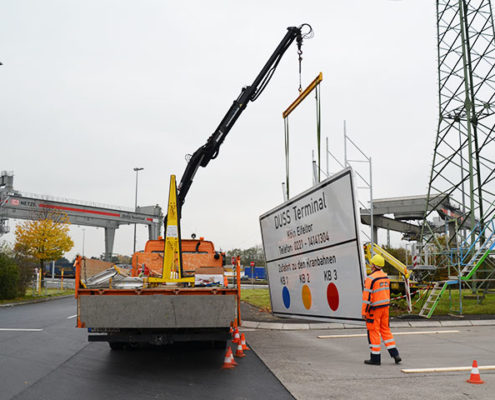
91, 89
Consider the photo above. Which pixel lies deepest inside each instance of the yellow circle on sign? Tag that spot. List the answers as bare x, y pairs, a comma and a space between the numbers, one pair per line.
306, 297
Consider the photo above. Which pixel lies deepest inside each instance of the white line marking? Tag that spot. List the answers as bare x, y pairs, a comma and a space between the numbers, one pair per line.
394, 333
72, 316
20, 330
445, 369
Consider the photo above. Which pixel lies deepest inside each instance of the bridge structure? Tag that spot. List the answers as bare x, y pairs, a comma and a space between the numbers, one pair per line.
406, 214
19, 205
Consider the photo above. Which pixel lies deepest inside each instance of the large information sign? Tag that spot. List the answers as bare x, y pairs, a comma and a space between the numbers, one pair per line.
313, 253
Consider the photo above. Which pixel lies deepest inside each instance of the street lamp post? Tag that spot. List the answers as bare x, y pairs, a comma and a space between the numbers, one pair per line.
135, 204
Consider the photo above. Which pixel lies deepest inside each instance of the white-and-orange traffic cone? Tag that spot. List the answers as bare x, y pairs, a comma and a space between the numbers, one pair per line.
229, 361
475, 374
239, 352
243, 342
237, 338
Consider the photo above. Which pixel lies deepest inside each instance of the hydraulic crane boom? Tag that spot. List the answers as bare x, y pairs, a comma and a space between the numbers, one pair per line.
209, 151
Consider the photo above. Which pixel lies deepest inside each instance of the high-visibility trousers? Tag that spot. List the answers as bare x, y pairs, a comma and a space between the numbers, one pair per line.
378, 326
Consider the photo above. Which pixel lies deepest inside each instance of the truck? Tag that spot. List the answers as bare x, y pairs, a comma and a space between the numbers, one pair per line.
171, 306
199, 257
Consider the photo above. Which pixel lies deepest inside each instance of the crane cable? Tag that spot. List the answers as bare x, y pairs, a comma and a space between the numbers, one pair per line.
299, 53
318, 126
318, 138
303, 36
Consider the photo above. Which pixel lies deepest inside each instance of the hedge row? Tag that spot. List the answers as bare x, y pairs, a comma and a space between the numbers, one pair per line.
15, 275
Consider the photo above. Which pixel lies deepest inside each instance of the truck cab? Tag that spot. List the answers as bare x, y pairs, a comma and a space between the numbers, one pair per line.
198, 256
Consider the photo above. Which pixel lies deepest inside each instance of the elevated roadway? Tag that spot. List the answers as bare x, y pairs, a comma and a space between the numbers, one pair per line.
18, 205
395, 213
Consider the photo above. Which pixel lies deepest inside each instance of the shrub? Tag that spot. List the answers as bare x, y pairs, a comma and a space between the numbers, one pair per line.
9, 277
26, 271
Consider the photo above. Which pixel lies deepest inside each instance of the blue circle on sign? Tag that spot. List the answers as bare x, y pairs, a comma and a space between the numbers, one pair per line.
286, 297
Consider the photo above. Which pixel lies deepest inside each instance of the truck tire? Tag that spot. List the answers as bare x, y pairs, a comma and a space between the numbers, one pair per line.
220, 344
116, 345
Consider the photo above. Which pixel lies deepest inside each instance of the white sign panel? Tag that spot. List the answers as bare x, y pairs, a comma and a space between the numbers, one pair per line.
313, 253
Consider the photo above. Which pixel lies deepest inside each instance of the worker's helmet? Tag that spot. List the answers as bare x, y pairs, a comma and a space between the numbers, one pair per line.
377, 260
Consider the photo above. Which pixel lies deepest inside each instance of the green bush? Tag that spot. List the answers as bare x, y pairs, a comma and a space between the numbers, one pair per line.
26, 274
9, 277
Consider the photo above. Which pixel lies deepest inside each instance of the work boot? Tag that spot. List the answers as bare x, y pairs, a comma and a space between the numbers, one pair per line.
375, 359
394, 353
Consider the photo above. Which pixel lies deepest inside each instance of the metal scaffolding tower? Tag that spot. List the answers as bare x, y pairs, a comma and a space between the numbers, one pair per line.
463, 168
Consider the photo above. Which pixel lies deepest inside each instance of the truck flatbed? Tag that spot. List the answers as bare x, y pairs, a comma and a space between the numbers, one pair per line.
156, 315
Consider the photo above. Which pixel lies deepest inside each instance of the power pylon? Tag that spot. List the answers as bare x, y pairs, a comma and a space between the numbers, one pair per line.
463, 168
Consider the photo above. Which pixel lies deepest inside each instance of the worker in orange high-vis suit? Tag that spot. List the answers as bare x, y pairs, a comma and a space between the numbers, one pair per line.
376, 302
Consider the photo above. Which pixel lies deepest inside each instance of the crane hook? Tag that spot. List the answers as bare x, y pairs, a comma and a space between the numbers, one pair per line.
300, 38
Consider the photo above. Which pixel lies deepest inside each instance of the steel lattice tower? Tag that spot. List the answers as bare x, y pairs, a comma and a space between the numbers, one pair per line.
463, 168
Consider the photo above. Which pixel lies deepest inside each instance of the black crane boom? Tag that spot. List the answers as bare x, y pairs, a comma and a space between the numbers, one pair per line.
209, 151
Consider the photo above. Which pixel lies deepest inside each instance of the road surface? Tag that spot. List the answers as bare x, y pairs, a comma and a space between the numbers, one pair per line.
43, 356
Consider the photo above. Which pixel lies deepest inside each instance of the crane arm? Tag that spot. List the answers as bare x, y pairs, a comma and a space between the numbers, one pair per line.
209, 151
394, 262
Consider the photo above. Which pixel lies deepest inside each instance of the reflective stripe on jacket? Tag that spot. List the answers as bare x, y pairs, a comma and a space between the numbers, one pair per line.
376, 293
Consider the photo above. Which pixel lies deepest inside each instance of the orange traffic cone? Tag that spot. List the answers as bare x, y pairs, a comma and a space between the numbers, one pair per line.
475, 374
229, 360
239, 352
237, 338
243, 343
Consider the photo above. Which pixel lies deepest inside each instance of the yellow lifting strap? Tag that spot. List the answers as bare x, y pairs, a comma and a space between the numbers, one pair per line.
172, 252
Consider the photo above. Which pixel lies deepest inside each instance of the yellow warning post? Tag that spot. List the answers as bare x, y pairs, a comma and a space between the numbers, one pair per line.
172, 251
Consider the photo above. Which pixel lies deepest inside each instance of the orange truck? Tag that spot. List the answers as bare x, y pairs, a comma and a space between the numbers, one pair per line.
172, 305
163, 314
199, 258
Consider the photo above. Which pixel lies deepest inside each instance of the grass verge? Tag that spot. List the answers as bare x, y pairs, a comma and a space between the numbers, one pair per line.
32, 295
257, 297
449, 303
261, 298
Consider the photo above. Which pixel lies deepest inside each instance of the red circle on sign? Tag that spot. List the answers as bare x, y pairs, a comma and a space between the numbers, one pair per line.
252, 263
333, 296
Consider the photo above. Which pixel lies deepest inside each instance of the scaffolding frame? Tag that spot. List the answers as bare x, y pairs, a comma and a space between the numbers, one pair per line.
463, 167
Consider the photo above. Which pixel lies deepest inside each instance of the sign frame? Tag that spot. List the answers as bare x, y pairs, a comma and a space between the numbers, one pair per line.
347, 172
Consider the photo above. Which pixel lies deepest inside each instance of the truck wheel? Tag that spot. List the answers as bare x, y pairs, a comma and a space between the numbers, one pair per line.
220, 344
116, 345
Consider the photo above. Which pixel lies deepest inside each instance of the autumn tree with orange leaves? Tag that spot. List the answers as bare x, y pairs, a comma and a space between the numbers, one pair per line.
45, 238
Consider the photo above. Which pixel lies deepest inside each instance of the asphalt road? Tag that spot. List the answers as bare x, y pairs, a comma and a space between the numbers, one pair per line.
55, 361
333, 368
